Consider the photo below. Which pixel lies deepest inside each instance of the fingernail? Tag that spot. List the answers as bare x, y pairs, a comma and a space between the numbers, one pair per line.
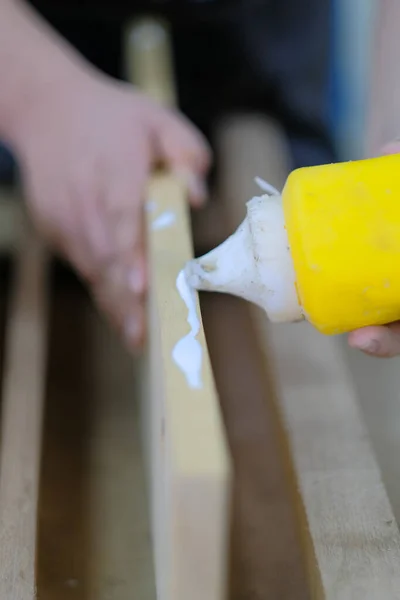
371, 346
136, 281
198, 190
196, 185
132, 329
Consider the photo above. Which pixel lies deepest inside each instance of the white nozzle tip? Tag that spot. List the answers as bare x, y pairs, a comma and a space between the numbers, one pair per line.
254, 263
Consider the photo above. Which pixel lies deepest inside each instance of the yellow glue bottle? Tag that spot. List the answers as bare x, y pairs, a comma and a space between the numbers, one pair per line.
327, 249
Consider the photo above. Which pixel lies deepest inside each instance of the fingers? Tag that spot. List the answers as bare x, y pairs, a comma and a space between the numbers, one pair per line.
380, 341
127, 319
124, 308
125, 280
185, 150
107, 246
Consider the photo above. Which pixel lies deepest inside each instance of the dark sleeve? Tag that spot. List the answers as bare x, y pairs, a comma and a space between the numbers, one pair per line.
290, 44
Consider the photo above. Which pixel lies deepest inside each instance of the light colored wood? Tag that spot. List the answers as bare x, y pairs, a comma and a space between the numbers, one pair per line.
188, 463
23, 392
348, 520
153, 69
377, 385
351, 539
149, 61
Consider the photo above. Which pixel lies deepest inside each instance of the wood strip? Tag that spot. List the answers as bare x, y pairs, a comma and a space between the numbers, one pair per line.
149, 61
23, 392
93, 532
188, 463
265, 543
351, 539
351, 534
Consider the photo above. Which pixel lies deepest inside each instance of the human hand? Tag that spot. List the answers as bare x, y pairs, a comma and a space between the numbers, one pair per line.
380, 341
86, 149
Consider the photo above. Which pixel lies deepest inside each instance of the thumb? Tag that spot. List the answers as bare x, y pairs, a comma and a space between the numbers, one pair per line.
380, 341
185, 151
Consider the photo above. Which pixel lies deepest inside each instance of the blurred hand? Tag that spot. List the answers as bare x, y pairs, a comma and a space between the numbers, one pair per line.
381, 341
86, 150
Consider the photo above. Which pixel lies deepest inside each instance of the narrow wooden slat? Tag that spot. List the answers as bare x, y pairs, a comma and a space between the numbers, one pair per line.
265, 543
23, 391
149, 61
351, 539
187, 459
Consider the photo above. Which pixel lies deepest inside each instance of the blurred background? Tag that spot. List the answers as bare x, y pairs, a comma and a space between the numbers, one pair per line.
304, 63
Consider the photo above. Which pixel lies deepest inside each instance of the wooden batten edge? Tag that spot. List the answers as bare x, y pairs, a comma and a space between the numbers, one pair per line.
183, 428
195, 451
23, 397
169, 250
148, 60
342, 504
309, 556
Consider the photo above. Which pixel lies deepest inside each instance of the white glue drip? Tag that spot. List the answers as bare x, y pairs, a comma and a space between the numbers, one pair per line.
166, 219
188, 353
266, 187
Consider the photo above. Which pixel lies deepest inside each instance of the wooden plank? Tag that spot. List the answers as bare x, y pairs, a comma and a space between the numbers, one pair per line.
347, 518
188, 465
149, 61
351, 539
94, 531
23, 391
265, 544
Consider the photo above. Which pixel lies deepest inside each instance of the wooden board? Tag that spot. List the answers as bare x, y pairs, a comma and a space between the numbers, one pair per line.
351, 539
265, 544
188, 464
354, 541
23, 392
93, 531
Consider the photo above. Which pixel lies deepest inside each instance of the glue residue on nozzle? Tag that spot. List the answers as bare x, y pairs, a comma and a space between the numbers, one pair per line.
188, 353
266, 187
